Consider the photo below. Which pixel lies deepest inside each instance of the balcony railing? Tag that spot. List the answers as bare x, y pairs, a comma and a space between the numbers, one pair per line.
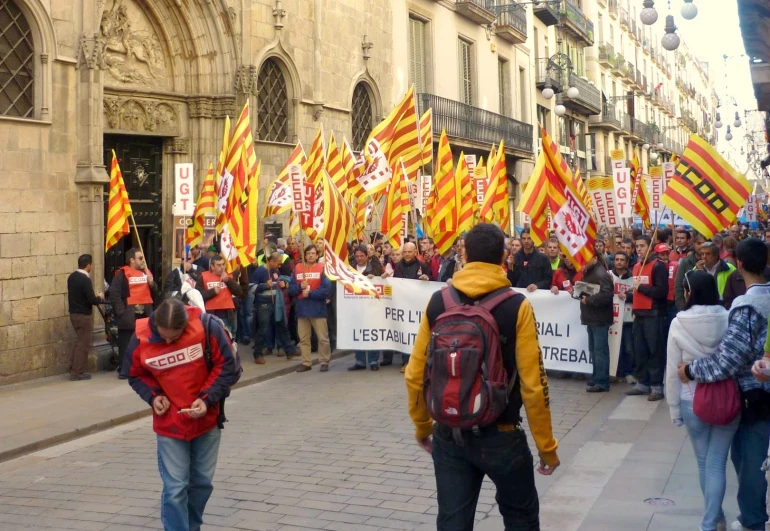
630, 72
608, 118
475, 124
639, 129
577, 22
589, 99
512, 25
606, 55
623, 18
545, 76
547, 14
613, 8
475, 10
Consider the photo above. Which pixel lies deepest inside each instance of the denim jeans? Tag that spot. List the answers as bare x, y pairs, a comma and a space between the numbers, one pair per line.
265, 320
711, 444
502, 456
247, 317
626, 358
650, 352
367, 357
748, 452
187, 470
599, 346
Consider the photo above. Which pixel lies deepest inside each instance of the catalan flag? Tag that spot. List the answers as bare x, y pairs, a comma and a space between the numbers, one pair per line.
465, 195
446, 203
574, 226
534, 201
487, 207
339, 270
206, 205
334, 164
385, 132
242, 141
706, 191
397, 208
338, 220
221, 194
499, 176
316, 159
406, 136
119, 208
640, 198
426, 136
348, 162
243, 217
279, 194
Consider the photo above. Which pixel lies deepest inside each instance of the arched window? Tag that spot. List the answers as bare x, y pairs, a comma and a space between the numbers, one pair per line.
361, 116
272, 103
17, 68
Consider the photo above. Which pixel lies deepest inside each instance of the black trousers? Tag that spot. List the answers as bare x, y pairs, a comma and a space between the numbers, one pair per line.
124, 338
650, 350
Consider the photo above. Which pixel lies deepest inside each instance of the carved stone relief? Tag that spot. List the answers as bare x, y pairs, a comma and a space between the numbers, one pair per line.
132, 114
177, 145
133, 54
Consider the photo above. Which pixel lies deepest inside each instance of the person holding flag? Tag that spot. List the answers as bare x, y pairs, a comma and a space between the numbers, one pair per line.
218, 289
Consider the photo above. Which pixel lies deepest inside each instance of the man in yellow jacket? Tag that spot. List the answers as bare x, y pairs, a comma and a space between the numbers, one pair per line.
499, 450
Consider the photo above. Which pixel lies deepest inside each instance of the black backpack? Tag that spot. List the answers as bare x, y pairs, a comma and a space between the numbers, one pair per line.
206, 319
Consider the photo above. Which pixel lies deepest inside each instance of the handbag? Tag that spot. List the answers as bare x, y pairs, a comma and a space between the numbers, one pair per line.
717, 402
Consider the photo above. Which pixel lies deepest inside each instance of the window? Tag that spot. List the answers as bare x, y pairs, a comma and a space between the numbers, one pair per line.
542, 117
272, 103
361, 116
17, 92
417, 68
504, 86
524, 115
465, 50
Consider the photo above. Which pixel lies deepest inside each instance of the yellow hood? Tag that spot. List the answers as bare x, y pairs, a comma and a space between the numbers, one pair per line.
478, 278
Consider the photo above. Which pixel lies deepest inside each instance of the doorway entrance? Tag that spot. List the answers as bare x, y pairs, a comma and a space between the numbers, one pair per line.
139, 158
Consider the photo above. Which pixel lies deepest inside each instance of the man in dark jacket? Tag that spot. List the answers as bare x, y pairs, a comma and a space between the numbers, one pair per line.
131, 295
81, 300
736, 285
650, 307
596, 315
531, 269
268, 295
410, 267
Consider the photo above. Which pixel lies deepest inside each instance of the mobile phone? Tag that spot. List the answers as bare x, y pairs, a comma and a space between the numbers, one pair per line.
766, 371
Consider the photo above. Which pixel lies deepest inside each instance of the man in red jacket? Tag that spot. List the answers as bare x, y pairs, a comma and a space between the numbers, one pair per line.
169, 368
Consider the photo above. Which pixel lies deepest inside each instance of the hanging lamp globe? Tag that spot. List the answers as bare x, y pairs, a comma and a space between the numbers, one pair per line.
645, 146
718, 123
573, 93
689, 10
737, 123
547, 92
670, 40
648, 15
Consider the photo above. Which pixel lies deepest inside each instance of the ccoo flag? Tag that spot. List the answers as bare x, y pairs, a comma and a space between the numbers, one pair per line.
706, 191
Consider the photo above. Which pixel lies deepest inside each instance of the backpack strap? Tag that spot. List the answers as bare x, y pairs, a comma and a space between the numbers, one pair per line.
493, 299
206, 321
451, 297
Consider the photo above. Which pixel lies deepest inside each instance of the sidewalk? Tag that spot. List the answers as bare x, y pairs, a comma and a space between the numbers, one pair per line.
53, 410
624, 452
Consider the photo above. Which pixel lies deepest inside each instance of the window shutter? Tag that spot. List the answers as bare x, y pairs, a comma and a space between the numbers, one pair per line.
466, 84
417, 53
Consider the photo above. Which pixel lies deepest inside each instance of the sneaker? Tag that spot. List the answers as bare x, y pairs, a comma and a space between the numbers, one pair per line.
324, 367
83, 376
737, 526
357, 368
122, 377
304, 368
374, 367
260, 360
630, 380
637, 392
654, 397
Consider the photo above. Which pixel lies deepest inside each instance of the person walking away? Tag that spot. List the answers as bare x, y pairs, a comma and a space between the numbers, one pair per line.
184, 395
714, 266
81, 301
741, 346
131, 297
310, 287
531, 269
268, 307
649, 307
498, 450
218, 289
624, 289
596, 316
696, 333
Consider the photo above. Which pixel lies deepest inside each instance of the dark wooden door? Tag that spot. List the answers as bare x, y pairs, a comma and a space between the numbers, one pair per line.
140, 162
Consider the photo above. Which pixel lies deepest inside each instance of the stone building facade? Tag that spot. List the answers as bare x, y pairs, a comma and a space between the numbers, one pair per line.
153, 80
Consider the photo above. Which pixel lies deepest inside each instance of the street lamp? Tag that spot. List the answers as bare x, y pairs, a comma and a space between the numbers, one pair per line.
670, 40
729, 135
559, 63
737, 122
547, 90
560, 109
689, 10
718, 123
646, 146
648, 16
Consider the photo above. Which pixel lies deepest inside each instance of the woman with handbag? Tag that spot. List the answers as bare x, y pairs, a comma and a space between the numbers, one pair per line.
696, 333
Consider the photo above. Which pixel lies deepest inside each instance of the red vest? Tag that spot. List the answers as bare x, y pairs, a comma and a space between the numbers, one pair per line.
313, 276
180, 370
643, 302
222, 300
561, 281
672, 267
138, 288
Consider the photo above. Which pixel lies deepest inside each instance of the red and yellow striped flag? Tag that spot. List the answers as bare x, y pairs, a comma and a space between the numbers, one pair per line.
499, 176
339, 270
397, 208
279, 198
640, 198
574, 226
316, 159
465, 195
338, 219
406, 136
385, 131
534, 201
426, 136
444, 204
334, 165
487, 208
348, 162
241, 141
206, 206
119, 208
220, 172
706, 191
243, 219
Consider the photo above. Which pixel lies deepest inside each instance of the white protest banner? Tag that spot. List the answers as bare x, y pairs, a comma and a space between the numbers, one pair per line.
426, 185
393, 321
657, 187
184, 195
603, 198
669, 170
470, 161
298, 191
621, 177
750, 209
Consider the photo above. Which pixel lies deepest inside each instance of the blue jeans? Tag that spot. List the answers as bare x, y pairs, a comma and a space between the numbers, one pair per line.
502, 456
187, 470
599, 346
711, 444
265, 321
367, 357
748, 452
626, 358
247, 317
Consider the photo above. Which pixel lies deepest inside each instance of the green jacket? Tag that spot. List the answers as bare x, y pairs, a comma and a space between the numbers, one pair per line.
723, 272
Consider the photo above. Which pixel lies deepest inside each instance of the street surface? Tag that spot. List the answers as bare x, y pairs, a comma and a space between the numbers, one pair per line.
336, 451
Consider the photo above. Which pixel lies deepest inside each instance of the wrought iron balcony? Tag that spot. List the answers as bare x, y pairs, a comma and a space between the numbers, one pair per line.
608, 119
576, 22
475, 10
512, 25
546, 12
589, 99
606, 55
613, 9
625, 123
630, 72
623, 18
474, 124
639, 129
545, 76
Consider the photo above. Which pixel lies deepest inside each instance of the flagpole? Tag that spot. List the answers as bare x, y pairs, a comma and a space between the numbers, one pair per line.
654, 235
136, 232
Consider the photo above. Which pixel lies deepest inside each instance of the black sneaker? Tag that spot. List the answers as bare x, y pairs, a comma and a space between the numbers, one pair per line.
654, 397
357, 368
637, 392
596, 389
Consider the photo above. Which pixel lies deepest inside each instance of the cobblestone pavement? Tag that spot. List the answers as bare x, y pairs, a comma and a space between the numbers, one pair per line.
330, 451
